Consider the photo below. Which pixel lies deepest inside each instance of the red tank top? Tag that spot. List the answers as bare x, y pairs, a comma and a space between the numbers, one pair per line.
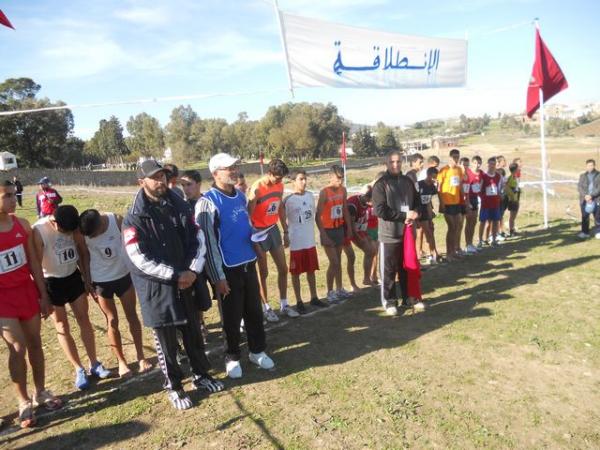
14, 267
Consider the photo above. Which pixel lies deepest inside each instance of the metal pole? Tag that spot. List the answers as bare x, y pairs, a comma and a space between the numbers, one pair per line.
284, 44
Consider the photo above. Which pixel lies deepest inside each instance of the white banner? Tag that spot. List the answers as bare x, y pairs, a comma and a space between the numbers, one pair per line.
327, 54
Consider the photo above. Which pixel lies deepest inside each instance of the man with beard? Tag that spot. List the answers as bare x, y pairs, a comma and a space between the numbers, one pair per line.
166, 254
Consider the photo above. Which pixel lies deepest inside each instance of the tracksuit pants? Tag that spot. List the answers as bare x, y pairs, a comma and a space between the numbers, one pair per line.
165, 340
392, 271
243, 302
585, 218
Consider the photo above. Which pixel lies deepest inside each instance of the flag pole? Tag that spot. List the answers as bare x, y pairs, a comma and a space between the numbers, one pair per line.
284, 44
344, 157
544, 164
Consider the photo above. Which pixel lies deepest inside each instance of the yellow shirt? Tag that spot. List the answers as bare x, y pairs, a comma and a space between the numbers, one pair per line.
450, 180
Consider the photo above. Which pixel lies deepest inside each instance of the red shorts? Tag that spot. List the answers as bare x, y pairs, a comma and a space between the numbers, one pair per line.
21, 302
304, 261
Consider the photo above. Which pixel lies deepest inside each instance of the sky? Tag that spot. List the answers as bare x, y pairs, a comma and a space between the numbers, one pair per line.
89, 52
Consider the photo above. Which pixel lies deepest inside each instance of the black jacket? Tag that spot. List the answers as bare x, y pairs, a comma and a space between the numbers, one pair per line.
161, 241
582, 186
393, 197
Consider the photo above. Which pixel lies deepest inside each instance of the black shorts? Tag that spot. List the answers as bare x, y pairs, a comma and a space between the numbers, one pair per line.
108, 289
513, 206
454, 210
65, 290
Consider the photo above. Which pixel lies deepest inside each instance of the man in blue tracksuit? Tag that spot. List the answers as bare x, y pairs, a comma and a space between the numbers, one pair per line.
166, 257
222, 215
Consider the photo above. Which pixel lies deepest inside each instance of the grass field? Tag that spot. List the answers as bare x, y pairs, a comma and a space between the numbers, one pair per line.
506, 356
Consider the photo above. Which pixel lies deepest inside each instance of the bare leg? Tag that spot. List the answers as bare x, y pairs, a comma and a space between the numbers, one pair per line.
470, 226
511, 220
430, 238
460, 221
128, 303
334, 267
35, 351
63, 333
349, 251
17, 349
114, 335
80, 310
375, 261
297, 289
278, 255
312, 285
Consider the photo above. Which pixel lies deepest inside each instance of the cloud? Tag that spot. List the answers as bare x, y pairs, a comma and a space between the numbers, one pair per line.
144, 16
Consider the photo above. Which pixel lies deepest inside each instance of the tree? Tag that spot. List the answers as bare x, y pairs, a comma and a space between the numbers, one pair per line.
108, 143
178, 134
146, 137
386, 140
363, 143
37, 139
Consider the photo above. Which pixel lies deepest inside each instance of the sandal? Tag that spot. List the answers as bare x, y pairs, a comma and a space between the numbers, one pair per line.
48, 400
26, 416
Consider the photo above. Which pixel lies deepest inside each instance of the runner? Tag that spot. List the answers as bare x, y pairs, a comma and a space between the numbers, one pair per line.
222, 214
264, 199
416, 166
427, 191
372, 232
332, 219
432, 161
19, 188
166, 252
23, 300
513, 195
396, 203
191, 183
47, 199
241, 184
451, 198
172, 172
110, 277
61, 250
471, 190
489, 216
358, 209
589, 196
502, 169
298, 220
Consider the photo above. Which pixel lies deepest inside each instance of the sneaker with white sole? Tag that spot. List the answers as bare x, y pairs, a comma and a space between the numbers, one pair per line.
207, 383
271, 316
261, 359
417, 305
501, 237
471, 249
332, 297
391, 310
233, 369
99, 370
480, 245
598, 235
343, 293
582, 235
289, 312
179, 399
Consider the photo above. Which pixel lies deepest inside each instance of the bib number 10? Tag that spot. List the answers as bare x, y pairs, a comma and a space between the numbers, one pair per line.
67, 255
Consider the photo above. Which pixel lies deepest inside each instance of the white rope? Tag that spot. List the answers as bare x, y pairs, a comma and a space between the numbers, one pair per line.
141, 101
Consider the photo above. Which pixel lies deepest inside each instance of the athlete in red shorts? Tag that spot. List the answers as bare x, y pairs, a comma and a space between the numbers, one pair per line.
23, 300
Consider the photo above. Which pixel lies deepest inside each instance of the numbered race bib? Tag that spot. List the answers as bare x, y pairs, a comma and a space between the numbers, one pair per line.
425, 199
404, 208
476, 188
491, 191
66, 255
466, 187
361, 226
12, 259
273, 208
455, 181
337, 212
305, 216
108, 253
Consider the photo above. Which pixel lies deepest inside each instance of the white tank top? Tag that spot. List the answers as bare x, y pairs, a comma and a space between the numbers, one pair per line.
106, 254
60, 252
300, 214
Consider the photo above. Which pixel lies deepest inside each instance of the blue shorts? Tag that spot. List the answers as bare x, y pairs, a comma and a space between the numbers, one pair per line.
492, 214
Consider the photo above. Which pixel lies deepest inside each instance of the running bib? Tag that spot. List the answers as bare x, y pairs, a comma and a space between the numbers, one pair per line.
361, 226
466, 188
425, 199
66, 255
108, 253
491, 190
455, 181
273, 208
404, 208
476, 188
12, 259
305, 216
337, 212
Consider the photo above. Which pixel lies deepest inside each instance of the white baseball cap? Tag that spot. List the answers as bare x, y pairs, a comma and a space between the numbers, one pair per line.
221, 161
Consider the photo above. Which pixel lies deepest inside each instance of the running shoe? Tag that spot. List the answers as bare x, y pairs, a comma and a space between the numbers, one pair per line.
179, 399
471, 249
583, 235
261, 360
271, 316
501, 237
47, 400
391, 310
318, 303
300, 307
207, 383
288, 311
598, 235
480, 245
99, 371
332, 297
81, 379
343, 293
233, 369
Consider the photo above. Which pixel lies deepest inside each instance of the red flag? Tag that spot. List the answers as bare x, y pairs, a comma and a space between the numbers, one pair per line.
343, 149
4, 20
411, 263
546, 75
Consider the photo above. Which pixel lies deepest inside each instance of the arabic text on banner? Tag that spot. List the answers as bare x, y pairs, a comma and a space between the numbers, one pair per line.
327, 54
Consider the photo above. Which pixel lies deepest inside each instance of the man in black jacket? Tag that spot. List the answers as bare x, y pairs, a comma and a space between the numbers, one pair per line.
166, 255
395, 202
589, 197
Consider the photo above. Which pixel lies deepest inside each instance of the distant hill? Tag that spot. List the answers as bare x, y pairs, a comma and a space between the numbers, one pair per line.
589, 129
